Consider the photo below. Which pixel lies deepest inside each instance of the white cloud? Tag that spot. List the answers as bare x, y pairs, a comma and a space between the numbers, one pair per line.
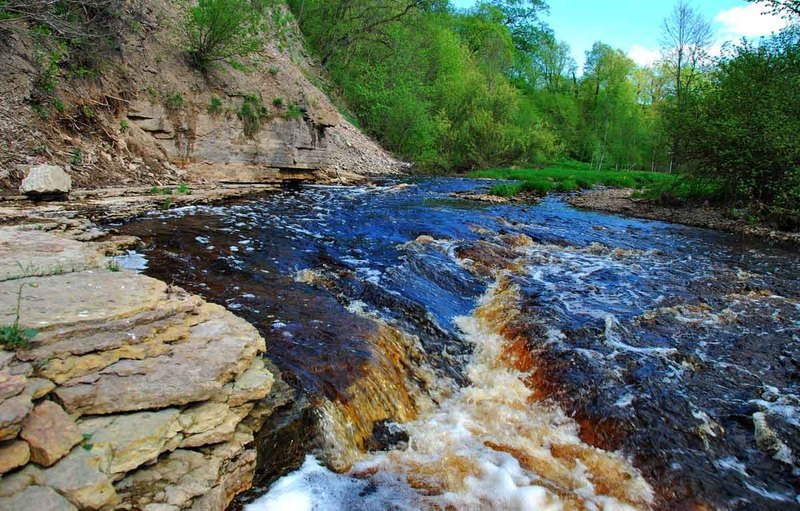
644, 56
753, 20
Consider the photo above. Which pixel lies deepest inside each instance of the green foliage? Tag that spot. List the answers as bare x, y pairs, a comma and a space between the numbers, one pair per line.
277, 102
124, 125
223, 30
215, 106
174, 101
58, 105
87, 112
293, 111
183, 188
740, 130
76, 157
568, 177
253, 114
113, 265
14, 336
273, 70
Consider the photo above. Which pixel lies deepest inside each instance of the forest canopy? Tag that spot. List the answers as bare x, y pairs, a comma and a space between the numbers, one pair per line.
493, 85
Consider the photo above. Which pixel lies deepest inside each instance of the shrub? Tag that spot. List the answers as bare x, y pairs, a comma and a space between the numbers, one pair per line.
215, 106
222, 31
174, 101
277, 102
273, 70
293, 111
252, 113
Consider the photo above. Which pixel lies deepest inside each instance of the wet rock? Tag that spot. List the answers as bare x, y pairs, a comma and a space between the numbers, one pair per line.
13, 454
50, 432
44, 180
36, 498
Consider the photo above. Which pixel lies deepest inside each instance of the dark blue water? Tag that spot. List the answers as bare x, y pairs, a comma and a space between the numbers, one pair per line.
676, 345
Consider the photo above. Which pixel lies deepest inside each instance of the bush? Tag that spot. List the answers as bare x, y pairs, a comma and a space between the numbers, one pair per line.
252, 113
223, 30
215, 106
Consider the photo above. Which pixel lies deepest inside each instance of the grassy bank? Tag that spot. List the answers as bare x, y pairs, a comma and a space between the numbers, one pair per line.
569, 177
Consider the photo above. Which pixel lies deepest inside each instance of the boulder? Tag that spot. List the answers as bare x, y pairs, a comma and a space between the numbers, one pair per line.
50, 432
46, 180
13, 454
12, 412
10, 385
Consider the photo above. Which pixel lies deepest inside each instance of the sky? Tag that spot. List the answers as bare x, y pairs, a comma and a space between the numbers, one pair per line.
634, 26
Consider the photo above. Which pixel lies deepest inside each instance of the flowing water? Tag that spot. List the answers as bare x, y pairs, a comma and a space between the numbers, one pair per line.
460, 355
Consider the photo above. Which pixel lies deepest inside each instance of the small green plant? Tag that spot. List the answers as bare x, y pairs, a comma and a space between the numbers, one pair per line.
293, 111
14, 336
166, 191
174, 101
153, 95
183, 189
252, 113
277, 102
123, 125
166, 204
41, 111
215, 106
86, 442
112, 265
87, 111
77, 156
154, 191
273, 70
58, 105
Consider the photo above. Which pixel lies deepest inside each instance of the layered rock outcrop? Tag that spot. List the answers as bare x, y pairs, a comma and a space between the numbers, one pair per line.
132, 395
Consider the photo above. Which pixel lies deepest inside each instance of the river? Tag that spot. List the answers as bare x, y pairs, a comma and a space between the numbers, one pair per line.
452, 354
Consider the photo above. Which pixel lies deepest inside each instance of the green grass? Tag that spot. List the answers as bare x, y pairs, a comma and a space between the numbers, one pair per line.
569, 177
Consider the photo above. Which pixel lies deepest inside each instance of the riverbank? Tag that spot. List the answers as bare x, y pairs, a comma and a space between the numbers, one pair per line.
622, 201
132, 393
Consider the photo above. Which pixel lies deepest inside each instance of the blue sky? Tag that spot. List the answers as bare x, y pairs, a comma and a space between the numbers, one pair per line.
634, 26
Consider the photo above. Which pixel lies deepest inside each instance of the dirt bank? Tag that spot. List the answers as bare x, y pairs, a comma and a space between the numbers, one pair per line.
621, 201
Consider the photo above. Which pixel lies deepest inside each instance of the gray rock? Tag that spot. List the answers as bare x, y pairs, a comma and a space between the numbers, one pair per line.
46, 180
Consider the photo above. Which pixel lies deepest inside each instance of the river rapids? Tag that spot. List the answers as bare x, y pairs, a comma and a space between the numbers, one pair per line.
449, 354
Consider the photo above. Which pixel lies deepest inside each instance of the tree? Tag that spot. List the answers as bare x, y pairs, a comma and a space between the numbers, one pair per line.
340, 25
786, 8
685, 39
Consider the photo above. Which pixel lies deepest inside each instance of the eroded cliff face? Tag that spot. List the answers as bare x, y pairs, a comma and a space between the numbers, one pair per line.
146, 117
132, 395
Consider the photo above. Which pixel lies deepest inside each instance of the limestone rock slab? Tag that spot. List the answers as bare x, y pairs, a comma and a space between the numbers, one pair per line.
50, 432
38, 253
131, 440
216, 351
36, 498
